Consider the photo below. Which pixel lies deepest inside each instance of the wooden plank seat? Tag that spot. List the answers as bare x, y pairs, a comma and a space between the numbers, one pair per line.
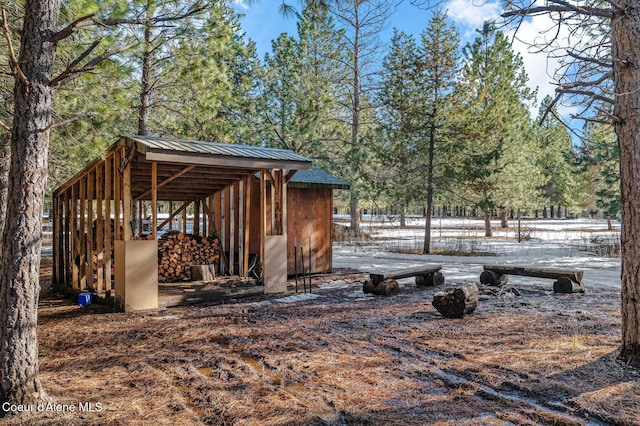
567, 280
427, 275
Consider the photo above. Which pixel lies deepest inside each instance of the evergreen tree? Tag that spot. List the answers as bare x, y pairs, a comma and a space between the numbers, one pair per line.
438, 74
556, 158
214, 77
300, 102
398, 115
493, 122
599, 158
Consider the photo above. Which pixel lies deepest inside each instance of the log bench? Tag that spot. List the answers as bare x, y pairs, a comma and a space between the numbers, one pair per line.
386, 284
567, 280
425, 275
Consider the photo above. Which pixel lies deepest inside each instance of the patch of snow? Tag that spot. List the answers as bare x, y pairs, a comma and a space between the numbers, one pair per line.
549, 244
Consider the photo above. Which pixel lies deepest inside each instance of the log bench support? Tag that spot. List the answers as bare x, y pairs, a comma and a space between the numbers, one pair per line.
567, 280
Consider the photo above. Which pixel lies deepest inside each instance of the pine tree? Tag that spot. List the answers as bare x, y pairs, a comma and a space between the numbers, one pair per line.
556, 157
599, 158
493, 124
214, 76
400, 122
438, 74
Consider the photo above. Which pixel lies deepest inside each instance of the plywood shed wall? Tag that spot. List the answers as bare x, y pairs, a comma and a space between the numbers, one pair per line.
95, 207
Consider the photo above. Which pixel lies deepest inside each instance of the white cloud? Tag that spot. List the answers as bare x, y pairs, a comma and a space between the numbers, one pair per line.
470, 15
473, 13
240, 4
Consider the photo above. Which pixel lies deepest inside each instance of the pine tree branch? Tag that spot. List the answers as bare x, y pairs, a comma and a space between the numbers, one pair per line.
69, 29
591, 94
604, 64
5, 127
558, 6
12, 57
69, 120
71, 74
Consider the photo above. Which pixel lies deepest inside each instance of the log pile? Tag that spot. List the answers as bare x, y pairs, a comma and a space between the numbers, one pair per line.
178, 252
457, 302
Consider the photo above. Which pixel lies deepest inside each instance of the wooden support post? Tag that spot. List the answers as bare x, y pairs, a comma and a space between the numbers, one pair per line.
66, 268
247, 224
184, 218
217, 216
154, 200
75, 239
196, 217
99, 242
126, 204
108, 223
232, 217
241, 269
212, 225
263, 213
57, 238
83, 234
170, 215
89, 230
283, 204
117, 197
223, 227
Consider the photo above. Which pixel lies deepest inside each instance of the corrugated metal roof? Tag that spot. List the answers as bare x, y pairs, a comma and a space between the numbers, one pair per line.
214, 148
316, 176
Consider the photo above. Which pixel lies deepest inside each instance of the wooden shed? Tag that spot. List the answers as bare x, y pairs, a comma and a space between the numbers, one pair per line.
310, 219
212, 185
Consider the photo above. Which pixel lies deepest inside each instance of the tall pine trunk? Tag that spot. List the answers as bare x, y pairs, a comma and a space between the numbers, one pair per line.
426, 249
625, 34
21, 240
5, 163
487, 223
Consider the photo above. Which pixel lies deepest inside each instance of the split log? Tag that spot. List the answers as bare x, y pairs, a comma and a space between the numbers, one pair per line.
385, 288
567, 285
457, 302
430, 280
203, 273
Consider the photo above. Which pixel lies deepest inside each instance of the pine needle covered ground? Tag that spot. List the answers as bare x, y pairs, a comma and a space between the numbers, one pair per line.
341, 359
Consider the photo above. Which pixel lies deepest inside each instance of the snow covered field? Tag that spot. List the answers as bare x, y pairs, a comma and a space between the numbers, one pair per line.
558, 243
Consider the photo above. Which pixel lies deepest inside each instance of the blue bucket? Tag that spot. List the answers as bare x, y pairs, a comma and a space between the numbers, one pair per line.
84, 299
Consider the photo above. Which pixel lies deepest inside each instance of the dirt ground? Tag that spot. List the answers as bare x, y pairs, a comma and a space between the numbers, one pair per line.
526, 356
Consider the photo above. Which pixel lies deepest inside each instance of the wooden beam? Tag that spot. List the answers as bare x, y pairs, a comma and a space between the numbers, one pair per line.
174, 214
232, 226
241, 270
67, 240
126, 201
196, 217
108, 223
247, 224
75, 239
100, 243
154, 200
57, 239
117, 197
82, 250
263, 213
89, 230
290, 175
166, 181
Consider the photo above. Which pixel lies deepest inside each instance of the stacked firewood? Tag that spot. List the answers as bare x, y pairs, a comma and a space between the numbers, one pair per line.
178, 251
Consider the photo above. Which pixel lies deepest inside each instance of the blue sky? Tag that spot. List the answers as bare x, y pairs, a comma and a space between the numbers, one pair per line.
264, 23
